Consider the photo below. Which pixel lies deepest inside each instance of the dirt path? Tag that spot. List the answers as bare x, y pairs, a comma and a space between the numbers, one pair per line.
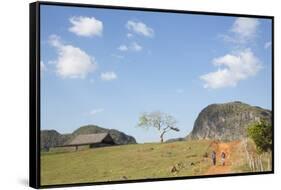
227, 148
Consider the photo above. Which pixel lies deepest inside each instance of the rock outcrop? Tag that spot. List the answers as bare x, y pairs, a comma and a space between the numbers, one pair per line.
228, 121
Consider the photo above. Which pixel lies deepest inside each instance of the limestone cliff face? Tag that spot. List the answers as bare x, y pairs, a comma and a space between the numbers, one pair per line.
227, 121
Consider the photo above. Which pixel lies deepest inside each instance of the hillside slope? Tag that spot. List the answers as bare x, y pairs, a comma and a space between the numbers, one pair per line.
127, 162
142, 161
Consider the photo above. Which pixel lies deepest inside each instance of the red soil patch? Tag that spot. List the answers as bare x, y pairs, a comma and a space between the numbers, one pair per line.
227, 148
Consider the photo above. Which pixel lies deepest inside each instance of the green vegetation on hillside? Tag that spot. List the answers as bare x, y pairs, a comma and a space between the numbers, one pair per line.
135, 161
259, 150
261, 133
146, 161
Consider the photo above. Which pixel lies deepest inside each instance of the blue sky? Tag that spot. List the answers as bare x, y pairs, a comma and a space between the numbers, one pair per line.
106, 67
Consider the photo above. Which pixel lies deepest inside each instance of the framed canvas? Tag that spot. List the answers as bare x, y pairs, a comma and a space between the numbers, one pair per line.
123, 94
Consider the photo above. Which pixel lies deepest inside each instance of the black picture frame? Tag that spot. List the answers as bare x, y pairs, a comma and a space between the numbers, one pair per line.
34, 91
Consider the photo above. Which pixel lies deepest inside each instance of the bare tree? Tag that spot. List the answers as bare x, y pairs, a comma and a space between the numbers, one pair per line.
161, 121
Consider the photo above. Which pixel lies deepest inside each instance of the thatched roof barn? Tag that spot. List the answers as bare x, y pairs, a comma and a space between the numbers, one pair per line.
92, 140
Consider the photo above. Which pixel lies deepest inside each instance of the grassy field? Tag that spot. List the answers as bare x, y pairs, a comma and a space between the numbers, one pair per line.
140, 161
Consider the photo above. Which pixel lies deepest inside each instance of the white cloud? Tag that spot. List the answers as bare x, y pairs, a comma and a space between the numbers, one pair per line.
245, 27
72, 62
140, 28
267, 45
129, 35
123, 48
134, 46
107, 76
243, 30
42, 66
236, 67
86, 26
96, 111
55, 41
51, 62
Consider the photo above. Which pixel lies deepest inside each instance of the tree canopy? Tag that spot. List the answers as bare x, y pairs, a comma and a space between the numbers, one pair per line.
261, 133
163, 122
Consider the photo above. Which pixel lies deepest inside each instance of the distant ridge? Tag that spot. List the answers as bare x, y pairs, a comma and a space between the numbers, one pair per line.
52, 138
